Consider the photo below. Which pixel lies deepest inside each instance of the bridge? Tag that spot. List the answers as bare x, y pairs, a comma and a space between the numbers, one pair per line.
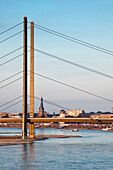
40, 120
32, 120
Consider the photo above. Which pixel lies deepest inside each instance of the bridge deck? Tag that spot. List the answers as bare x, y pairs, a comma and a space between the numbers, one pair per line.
81, 120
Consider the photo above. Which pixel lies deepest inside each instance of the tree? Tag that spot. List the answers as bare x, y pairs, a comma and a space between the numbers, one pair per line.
99, 112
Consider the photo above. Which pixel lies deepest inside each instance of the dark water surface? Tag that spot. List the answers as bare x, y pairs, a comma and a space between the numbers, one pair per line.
93, 151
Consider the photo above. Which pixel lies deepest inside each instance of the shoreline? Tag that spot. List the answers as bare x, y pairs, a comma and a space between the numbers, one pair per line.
7, 140
17, 140
57, 127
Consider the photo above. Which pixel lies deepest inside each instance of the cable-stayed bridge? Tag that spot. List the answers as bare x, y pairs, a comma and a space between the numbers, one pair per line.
23, 98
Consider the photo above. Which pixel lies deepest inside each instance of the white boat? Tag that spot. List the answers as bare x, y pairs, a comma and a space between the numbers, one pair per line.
75, 130
66, 130
109, 129
37, 126
72, 130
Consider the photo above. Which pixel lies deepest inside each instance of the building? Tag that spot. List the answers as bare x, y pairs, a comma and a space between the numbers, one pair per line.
74, 113
14, 115
101, 116
62, 113
3, 115
41, 109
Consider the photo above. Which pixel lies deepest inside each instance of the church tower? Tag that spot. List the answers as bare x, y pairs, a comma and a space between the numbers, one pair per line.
41, 109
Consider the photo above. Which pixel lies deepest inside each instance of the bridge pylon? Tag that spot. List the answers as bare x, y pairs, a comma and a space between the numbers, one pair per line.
24, 122
31, 124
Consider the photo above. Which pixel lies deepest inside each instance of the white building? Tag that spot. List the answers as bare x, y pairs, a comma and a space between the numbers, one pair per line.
74, 113
62, 113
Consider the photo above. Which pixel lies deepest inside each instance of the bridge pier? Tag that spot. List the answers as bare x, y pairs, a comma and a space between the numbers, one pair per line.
31, 130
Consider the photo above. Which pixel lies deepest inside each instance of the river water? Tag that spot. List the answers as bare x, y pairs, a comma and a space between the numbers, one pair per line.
93, 151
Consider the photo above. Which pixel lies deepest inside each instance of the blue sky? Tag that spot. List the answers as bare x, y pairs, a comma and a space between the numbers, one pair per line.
86, 20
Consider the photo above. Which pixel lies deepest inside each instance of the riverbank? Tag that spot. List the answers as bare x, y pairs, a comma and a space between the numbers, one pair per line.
16, 140
56, 126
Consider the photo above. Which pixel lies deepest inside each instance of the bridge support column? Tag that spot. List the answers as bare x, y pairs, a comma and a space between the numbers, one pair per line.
24, 122
31, 124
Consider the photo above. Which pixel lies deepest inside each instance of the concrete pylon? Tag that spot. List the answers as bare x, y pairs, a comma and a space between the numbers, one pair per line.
24, 122
31, 124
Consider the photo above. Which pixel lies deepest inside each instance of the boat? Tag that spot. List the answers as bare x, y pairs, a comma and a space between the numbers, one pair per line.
75, 130
108, 129
37, 126
72, 130
66, 130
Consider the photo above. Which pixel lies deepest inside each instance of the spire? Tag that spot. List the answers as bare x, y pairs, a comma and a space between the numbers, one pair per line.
41, 108
41, 105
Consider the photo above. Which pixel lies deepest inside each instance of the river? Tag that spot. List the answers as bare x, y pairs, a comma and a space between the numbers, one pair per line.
92, 151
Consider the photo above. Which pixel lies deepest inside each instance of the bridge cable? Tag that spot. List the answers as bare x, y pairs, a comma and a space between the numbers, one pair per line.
74, 40
11, 52
11, 82
75, 88
11, 101
11, 105
11, 28
37, 98
11, 76
51, 103
12, 59
75, 64
11, 36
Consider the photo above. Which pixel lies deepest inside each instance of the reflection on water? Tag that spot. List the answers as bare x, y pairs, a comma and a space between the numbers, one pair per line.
93, 151
27, 155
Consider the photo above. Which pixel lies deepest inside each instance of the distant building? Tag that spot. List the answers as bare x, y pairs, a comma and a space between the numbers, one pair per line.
102, 116
62, 113
74, 113
41, 109
14, 115
3, 115
53, 112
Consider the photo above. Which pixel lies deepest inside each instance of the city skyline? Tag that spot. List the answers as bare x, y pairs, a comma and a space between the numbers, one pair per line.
88, 21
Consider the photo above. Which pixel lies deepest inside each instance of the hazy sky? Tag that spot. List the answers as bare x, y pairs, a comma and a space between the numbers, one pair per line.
87, 20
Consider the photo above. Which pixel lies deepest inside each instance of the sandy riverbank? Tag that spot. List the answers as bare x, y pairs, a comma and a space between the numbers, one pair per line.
16, 140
